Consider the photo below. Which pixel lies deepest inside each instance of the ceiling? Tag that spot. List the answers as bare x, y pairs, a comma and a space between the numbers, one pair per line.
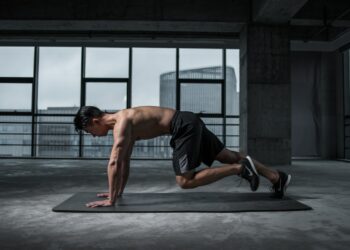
309, 20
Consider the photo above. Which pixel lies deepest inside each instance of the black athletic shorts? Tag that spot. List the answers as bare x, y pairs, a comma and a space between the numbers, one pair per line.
192, 142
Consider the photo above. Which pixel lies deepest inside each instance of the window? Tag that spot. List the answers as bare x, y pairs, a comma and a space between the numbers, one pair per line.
201, 64
110, 96
59, 80
152, 84
107, 62
16, 83
201, 98
56, 137
15, 135
16, 61
201, 81
15, 97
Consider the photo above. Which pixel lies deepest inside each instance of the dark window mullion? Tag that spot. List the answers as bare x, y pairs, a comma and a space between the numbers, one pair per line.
177, 102
35, 99
199, 81
223, 96
82, 94
129, 82
105, 80
14, 80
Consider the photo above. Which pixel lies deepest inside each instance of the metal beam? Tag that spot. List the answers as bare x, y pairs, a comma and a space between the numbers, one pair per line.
275, 11
120, 26
341, 43
317, 22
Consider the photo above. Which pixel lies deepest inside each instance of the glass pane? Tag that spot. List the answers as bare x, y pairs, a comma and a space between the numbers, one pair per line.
16, 61
201, 63
153, 148
232, 133
154, 83
15, 135
16, 97
232, 82
110, 96
107, 62
59, 79
214, 125
56, 137
204, 97
97, 146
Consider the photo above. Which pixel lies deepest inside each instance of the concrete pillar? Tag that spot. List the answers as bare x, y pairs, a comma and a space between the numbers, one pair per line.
265, 93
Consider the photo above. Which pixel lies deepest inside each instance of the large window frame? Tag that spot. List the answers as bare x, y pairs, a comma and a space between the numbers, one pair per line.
84, 80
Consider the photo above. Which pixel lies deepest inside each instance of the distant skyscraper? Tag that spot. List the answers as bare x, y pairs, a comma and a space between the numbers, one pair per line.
205, 98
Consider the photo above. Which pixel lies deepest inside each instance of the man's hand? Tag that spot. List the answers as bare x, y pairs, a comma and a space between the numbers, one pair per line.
103, 203
103, 195
106, 195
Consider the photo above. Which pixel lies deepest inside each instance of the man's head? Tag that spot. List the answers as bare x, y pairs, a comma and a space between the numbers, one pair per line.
89, 119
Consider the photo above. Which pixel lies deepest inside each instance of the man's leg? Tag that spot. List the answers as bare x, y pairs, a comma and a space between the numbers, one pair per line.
279, 179
228, 156
207, 176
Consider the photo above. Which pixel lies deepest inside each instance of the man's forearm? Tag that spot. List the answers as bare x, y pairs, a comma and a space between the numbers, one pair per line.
112, 180
117, 178
124, 179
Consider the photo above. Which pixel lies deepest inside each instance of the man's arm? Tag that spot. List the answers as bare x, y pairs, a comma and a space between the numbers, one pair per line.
118, 166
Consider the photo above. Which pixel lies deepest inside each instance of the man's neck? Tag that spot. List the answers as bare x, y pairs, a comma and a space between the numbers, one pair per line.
109, 120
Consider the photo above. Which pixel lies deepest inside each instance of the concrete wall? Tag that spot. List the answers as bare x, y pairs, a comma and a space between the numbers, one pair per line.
317, 104
265, 105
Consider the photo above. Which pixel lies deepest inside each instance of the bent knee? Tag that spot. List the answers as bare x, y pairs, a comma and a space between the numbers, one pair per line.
183, 182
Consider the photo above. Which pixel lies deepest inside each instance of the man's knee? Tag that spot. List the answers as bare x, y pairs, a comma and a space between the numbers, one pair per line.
239, 156
184, 182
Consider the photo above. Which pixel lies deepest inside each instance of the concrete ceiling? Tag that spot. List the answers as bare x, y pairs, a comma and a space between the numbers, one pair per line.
309, 20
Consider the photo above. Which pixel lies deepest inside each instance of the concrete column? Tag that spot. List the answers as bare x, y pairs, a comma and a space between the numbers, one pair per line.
265, 93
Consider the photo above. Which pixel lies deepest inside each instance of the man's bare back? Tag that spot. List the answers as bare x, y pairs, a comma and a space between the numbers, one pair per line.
147, 121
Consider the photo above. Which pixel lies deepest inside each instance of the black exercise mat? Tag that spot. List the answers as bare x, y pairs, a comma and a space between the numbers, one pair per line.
183, 202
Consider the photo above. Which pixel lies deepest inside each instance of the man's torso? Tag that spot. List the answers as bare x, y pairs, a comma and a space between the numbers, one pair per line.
147, 121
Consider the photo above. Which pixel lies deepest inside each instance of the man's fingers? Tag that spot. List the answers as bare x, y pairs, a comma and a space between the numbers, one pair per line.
103, 195
97, 204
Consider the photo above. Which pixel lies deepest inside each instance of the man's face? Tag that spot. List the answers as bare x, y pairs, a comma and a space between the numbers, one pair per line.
95, 128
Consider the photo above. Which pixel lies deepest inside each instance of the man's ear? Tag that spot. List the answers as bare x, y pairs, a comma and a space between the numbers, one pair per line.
95, 121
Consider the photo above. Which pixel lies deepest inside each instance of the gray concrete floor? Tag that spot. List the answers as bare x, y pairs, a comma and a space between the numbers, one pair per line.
30, 188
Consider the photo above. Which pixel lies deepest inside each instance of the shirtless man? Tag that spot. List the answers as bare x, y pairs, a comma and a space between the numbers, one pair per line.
191, 141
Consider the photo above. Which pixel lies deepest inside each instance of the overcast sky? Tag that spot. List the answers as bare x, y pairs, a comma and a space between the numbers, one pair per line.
60, 70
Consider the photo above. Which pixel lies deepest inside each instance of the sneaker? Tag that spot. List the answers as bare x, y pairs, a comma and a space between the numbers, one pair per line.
280, 187
249, 173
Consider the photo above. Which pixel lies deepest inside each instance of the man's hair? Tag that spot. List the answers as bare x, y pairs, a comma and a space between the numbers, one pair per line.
85, 115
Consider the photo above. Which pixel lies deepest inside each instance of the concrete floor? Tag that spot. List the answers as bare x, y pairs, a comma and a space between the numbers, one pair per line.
30, 188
